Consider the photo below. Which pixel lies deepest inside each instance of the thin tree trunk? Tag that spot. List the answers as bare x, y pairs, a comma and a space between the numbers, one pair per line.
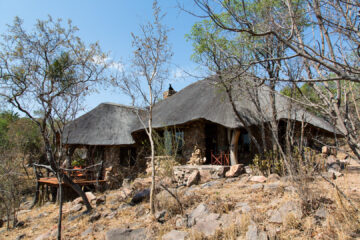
60, 207
152, 190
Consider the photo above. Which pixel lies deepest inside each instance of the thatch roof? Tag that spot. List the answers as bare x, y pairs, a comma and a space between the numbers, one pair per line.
107, 124
113, 124
206, 99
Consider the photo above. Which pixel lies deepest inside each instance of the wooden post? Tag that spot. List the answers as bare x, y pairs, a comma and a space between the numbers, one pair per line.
234, 146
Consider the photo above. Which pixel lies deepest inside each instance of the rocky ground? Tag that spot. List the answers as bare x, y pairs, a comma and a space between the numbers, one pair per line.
242, 207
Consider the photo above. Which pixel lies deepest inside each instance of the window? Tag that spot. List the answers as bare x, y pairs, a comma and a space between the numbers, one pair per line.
173, 141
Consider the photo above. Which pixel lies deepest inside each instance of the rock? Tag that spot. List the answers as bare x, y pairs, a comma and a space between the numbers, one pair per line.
262, 236
160, 216
77, 200
26, 205
19, 224
257, 186
111, 215
335, 173
227, 219
21, 212
94, 217
207, 226
330, 160
272, 186
90, 196
193, 178
341, 156
124, 206
180, 221
100, 200
175, 235
278, 216
235, 170
273, 178
334, 166
210, 184
140, 196
321, 213
140, 211
230, 180
76, 208
252, 232
200, 211
126, 234
21, 236
243, 207
290, 189
205, 176
87, 232
43, 236
248, 169
259, 179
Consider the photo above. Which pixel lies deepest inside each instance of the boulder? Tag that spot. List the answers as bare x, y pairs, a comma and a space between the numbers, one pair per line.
257, 186
207, 225
259, 179
273, 178
279, 215
160, 216
43, 236
330, 160
90, 196
175, 235
341, 156
200, 211
94, 217
126, 234
100, 200
193, 178
140, 196
76, 207
321, 213
87, 232
272, 186
235, 170
252, 232
243, 207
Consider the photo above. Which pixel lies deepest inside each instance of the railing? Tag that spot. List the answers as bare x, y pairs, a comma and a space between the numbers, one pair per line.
221, 158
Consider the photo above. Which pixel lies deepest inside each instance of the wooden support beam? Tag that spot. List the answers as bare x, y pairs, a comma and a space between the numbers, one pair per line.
234, 146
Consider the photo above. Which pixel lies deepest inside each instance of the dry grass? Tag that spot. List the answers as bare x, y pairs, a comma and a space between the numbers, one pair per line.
343, 220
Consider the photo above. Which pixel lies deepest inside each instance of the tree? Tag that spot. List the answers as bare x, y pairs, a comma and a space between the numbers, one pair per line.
144, 84
49, 70
323, 34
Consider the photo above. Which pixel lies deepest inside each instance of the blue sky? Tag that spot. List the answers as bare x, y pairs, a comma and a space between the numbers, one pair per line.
110, 23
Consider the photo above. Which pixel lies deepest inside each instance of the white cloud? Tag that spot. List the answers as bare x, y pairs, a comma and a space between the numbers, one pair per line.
111, 63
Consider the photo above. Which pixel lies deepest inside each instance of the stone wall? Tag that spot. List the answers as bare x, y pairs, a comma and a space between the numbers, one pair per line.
206, 172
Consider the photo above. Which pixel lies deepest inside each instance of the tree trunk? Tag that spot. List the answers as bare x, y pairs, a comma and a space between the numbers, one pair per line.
152, 190
78, 190
234, 147
60, 207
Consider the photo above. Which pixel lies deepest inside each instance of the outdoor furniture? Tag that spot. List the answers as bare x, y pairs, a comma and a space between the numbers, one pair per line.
220, 159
